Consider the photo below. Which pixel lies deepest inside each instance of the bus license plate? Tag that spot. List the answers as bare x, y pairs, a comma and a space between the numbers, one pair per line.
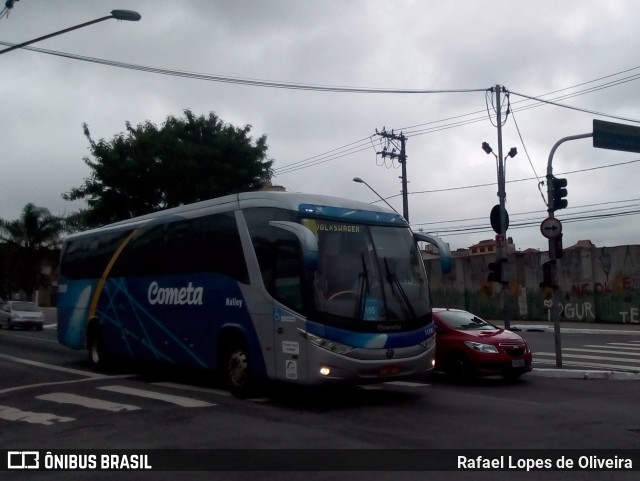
517, 363
389, 370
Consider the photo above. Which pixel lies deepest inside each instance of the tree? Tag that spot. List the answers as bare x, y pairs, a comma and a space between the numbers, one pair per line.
30, 239
186, 160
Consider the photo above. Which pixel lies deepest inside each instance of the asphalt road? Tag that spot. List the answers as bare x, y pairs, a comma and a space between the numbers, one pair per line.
51, 399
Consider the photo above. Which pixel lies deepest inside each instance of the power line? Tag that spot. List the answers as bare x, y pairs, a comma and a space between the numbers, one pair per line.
345, 89
592, 112
531, 223
241, 80
463, 187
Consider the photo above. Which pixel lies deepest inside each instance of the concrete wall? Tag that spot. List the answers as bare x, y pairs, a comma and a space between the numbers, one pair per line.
598, 284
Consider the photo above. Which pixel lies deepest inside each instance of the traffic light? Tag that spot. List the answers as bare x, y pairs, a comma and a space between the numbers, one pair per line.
495, 272
548, 275
558, 192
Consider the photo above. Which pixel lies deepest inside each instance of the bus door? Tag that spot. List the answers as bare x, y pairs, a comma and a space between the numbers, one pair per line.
289, 346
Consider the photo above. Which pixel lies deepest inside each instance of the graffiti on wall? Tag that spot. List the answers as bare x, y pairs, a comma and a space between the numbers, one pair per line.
594, 285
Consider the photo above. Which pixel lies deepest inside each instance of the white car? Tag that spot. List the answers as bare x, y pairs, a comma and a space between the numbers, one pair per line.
21, 314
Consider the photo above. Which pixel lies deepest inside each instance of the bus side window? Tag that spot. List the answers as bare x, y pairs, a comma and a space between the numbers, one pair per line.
287, 278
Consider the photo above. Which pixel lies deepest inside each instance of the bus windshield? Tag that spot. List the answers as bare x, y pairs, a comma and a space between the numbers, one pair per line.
368, 273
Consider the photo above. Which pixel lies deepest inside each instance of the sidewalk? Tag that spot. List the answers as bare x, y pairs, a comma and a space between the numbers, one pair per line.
581, 328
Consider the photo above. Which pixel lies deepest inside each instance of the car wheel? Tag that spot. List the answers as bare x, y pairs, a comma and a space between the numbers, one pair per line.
236, 369
10, 325
458, 367
39, 327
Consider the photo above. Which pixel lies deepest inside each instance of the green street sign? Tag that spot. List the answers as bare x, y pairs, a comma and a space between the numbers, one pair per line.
612, 136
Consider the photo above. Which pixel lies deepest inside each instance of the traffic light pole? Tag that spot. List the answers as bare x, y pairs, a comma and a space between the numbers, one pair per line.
553, 246
606, 135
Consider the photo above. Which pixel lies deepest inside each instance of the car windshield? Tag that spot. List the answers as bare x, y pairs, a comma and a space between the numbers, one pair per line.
24, 306
463, 320
368, 273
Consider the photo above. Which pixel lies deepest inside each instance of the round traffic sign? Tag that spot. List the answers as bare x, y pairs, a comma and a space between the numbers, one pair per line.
551, 227
495, 219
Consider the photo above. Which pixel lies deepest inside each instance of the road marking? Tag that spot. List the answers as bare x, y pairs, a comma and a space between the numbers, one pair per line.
583, 365
594, 358
623, 347
93, 403
53, 367
179, 400
406, 384
599, 351
186, 387
12, 414
56, 383
31, 338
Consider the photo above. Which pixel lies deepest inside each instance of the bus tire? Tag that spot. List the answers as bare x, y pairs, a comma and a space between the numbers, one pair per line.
97, 356
236, 369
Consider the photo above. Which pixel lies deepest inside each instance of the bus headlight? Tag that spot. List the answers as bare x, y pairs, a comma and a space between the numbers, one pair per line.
332, 346
429, 343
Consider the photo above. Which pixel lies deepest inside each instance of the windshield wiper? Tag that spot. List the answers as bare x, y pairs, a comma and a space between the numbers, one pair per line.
400, 294
363, 290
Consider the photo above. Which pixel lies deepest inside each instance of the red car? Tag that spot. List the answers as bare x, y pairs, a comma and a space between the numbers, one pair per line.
468, 346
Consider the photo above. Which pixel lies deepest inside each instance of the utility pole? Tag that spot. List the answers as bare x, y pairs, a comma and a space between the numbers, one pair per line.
502, 195
498, 271
392, 140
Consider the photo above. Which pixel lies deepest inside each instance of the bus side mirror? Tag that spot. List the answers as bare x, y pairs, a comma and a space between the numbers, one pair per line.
443, 249
307, 239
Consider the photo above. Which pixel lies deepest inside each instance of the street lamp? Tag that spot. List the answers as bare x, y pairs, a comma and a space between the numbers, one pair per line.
360, 181
501, 238
127, 15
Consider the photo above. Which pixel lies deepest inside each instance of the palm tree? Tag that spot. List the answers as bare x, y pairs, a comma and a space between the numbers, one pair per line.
36, 233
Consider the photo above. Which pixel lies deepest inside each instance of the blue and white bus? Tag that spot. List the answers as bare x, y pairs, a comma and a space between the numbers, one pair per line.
258, 286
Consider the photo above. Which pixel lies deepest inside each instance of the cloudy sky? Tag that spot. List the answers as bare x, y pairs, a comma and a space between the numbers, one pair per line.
421, 68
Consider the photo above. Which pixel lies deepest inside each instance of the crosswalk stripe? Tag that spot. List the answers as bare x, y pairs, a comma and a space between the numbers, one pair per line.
406, 384
187, 387
170, 398
608, 346
13, 414
565, 363
582, 356
93, 403
600, 351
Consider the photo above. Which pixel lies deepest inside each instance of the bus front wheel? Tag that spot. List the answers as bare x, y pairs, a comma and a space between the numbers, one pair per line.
237, 370
95, 344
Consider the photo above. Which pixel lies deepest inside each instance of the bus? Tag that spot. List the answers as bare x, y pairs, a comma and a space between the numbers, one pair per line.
257, 286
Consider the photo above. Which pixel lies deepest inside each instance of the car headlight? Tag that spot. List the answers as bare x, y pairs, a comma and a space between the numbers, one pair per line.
480, 347
332, 346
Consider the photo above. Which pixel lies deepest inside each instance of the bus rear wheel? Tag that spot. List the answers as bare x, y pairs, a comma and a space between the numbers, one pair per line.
236, 369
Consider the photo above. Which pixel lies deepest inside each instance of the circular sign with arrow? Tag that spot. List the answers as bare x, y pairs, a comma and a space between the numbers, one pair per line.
551, 227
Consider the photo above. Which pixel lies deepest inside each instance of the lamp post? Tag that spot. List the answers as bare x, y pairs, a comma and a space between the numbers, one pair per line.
501, 238
127, 15
360, 181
